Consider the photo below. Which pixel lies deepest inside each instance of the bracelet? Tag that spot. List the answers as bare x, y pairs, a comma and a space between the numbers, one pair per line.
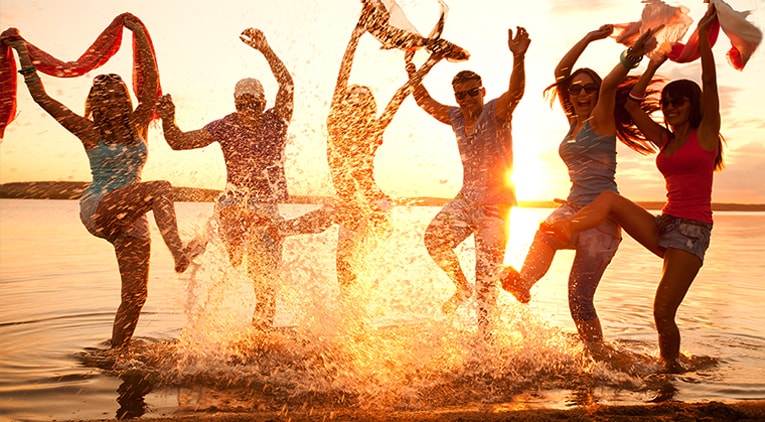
636, 97
628, 60
34, 78
27, 70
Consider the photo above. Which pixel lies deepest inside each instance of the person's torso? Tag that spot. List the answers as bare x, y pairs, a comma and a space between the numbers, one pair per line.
591, 162
688, 174
254, 156
487, 156
115, 166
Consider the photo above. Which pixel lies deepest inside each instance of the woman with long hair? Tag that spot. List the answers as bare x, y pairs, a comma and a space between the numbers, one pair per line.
114, 205
690, 152
596, 117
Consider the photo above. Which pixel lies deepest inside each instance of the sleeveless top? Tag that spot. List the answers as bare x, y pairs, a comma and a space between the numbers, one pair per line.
114, 166
487, 156
688, 175
591, 162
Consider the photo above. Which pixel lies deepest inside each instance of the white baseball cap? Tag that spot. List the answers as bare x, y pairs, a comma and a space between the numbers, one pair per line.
250, 86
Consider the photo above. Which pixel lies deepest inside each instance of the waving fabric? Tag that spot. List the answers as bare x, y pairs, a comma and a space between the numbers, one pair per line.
105, 46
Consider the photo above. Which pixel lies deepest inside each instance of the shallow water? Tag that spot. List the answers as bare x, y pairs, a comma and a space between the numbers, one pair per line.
194, 351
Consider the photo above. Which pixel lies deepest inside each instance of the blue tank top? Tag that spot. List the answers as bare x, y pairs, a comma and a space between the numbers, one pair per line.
115, 166
591, 162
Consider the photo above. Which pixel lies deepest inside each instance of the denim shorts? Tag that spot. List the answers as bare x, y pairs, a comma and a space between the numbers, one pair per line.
687, 235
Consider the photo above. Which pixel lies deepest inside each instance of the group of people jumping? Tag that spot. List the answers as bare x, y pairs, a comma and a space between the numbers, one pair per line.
599, 111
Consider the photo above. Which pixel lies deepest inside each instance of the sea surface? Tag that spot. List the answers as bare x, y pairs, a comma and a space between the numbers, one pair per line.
388, 347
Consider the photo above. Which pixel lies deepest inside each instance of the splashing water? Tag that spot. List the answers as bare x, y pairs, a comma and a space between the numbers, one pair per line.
383, 345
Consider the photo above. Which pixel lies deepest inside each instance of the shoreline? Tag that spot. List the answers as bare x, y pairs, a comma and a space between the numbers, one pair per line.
73, 190
670, 411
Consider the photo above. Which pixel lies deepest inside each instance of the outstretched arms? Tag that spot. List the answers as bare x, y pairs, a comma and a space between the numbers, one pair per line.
518, 45
341, 86
285, 96
603, 121
147, 98
175, 137
421, 95
709, 128
81, 127
415, 80
566, 65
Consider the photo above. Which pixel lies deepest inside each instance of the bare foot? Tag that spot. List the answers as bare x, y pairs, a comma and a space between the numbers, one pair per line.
512, 282
456, 300
560, 229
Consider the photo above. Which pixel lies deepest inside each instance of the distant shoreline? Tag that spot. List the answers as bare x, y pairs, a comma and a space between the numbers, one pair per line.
73, 190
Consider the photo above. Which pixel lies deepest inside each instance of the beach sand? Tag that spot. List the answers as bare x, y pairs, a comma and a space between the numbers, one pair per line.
671, 411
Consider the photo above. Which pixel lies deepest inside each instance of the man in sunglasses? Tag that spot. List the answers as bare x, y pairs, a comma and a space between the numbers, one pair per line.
253, 141
482, 206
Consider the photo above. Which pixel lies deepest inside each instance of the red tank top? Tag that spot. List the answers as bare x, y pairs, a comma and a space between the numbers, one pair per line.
688, 177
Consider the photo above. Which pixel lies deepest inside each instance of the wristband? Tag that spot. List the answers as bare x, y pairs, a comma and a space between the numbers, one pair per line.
27, 70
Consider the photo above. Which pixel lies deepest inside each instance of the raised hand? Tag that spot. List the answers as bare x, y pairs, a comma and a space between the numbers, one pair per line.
646, 42
132, 23
706, 21
165, 107
254, 38
603, 32
520, 43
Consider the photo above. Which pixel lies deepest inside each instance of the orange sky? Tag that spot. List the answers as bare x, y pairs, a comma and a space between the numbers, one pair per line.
200, 58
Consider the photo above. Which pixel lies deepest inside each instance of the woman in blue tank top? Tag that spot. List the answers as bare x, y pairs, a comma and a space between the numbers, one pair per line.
596, 118
115, 204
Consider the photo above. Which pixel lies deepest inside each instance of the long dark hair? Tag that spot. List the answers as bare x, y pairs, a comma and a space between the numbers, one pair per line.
684, 88
102, 83
626, 131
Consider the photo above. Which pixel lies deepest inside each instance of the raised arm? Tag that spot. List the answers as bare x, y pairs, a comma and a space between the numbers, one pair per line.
147, 98
285, 96
175, 137
421, 95
603, 121
415, 79
566, 65
79, 126
518, 45
709, 128
350, 51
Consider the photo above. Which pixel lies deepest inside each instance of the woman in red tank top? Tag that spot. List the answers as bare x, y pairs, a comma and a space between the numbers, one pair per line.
691, 150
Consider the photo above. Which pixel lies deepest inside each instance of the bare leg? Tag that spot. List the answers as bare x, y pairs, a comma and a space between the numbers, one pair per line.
347, 243
535, 266
122, 206
264, 259
133, 259
440, 240
680, 269
635, 220
491, 238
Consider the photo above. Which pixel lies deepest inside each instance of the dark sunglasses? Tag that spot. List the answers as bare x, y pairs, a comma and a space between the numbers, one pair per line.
102, 79
472, 92
576, 89
676, 102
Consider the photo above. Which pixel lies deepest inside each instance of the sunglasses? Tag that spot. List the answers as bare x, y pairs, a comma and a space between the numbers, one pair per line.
106, 77
472, 92
676, 102
576, 89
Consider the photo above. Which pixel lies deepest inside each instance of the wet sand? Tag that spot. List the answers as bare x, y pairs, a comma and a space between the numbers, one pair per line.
672, 411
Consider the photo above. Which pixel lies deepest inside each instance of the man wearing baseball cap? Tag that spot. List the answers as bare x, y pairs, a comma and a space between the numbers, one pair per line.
253, 141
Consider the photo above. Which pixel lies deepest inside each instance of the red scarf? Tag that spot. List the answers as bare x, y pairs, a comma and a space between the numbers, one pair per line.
105, 46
